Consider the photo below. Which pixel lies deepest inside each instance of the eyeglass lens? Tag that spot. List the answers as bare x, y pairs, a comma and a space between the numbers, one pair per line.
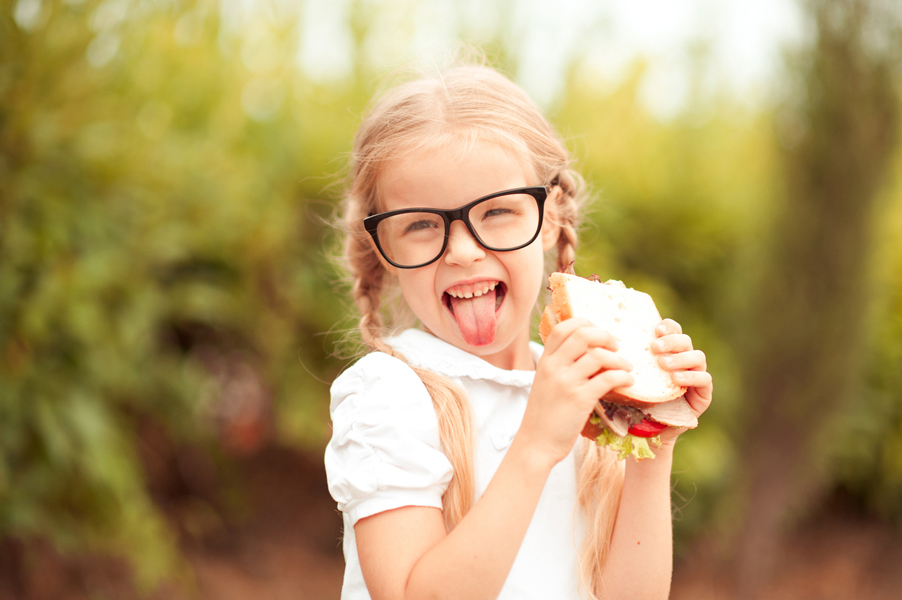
500, 223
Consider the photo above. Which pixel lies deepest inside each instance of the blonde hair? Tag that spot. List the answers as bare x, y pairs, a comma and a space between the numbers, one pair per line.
469, 103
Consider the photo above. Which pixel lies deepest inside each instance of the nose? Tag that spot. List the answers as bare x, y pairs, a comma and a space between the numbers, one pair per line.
463, 249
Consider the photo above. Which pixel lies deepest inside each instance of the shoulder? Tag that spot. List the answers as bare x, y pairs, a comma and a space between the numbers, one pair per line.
385, 451
376, 375
381, 400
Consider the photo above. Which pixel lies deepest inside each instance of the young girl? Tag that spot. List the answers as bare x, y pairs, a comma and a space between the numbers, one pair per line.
456, 458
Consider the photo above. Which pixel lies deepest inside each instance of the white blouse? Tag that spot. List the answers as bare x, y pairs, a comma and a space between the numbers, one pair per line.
385, 453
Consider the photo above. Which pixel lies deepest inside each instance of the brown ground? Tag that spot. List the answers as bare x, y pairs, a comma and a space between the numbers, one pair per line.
287, 546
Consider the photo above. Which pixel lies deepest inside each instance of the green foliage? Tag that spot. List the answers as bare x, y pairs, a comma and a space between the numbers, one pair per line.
149, 223
805, 342
865, 438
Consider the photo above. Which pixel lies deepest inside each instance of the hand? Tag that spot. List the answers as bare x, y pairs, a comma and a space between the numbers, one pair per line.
579, 366
688, 368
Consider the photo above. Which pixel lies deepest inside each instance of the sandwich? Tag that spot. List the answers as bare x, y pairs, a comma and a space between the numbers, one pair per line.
627, 418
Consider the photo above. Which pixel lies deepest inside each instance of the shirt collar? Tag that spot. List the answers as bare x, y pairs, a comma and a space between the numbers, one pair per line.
422, 349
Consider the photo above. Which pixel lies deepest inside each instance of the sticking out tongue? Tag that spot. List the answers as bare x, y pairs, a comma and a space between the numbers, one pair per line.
476, 318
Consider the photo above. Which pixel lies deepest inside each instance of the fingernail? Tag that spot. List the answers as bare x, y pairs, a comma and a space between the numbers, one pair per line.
659, 345
667, 361
661, 328
679, 376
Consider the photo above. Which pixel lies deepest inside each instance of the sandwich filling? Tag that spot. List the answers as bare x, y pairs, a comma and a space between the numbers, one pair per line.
475, 310
629, 430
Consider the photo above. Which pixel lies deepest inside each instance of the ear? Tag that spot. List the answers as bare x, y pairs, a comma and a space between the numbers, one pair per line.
551, 230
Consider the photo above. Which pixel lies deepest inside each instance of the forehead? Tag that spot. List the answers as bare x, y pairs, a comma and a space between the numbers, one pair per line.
450, 175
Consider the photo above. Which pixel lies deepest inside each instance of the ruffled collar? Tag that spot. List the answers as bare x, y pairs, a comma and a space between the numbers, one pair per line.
424, 350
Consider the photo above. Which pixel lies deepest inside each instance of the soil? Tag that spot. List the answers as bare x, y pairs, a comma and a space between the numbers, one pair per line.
286, 545
289, 545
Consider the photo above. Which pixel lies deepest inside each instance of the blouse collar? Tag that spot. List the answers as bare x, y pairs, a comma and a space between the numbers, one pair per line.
422, 349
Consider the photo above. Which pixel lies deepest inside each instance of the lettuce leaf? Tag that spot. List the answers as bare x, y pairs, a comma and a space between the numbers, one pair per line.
628, 445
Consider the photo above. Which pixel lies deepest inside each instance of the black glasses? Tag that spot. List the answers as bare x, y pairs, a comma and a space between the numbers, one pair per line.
501, 222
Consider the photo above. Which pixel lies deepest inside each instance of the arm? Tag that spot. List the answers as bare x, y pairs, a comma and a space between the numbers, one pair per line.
406, 554
643, 533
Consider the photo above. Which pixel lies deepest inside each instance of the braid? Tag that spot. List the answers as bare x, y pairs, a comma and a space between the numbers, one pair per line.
567, 211
599, 473
452, 407
566, 247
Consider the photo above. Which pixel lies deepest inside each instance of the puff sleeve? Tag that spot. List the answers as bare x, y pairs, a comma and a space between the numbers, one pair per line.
385, 451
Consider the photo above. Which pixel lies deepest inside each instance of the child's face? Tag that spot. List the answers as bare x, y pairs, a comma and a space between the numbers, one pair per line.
494, 326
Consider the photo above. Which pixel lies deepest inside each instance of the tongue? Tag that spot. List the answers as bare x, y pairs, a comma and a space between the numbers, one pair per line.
476, 318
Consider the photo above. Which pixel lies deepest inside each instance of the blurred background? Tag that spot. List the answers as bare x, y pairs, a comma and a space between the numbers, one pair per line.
169, 315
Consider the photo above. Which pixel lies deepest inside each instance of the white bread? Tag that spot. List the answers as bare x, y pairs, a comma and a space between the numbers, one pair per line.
630, 316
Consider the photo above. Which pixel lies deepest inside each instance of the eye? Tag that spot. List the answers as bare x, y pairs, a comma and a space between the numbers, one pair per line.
420, 225
496, 212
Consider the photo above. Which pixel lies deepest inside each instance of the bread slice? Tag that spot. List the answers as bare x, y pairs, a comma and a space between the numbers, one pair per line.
630, 316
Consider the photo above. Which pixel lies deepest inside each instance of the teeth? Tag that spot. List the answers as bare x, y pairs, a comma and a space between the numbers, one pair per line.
474, 293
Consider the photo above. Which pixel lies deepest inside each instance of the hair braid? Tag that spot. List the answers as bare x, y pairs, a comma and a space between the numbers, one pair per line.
452, 408
599, 473
566, 247
567, 213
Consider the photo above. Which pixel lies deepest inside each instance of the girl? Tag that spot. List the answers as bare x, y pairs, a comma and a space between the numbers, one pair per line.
456, 458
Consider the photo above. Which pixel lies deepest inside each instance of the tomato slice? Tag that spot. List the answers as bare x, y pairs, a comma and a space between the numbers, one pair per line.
647, 428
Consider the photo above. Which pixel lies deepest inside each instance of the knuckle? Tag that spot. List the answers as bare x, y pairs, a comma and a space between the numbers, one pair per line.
580, 335
602, 357
555, 338
566, 327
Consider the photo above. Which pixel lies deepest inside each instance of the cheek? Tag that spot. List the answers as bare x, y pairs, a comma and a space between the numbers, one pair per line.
530, 272
417, 288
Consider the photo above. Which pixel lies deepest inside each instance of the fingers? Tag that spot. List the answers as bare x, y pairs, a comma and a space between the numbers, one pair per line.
701, 380
589, 354
571, 339
700, 396
692, 360
606, 381
598, 359
674, 342
668, 326
688, 367
561, 332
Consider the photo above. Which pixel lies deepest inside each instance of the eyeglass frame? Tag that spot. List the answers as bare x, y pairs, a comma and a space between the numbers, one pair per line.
538, 192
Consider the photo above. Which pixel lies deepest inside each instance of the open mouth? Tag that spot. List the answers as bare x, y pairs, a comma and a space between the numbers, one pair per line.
474, 307
474, 291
